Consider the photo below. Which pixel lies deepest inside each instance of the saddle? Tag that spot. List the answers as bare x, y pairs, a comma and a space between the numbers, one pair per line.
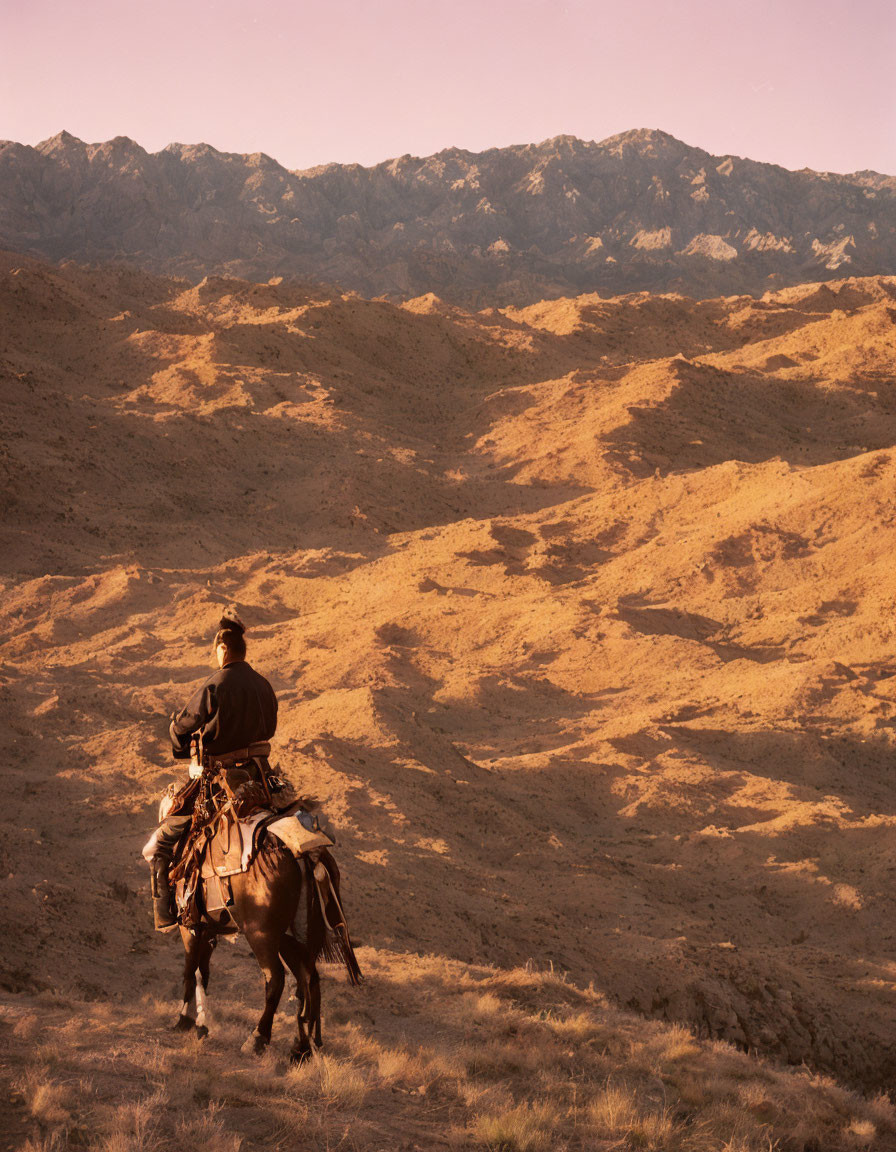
228, 842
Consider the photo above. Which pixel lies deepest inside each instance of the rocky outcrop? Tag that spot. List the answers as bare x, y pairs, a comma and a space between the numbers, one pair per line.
508, 226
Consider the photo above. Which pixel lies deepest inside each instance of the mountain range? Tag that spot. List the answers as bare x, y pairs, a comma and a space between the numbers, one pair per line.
508, 226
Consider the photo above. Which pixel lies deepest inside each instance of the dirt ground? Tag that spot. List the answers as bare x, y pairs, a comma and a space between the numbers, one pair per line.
580, 617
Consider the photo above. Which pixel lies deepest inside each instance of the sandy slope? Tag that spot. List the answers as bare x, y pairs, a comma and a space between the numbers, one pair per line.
580, 617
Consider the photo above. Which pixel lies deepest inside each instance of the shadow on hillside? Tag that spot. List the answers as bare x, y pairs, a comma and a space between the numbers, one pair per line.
527, 849
859, 772
75, 911
525, 860
642, 617
171, 484
713, 416
194, 492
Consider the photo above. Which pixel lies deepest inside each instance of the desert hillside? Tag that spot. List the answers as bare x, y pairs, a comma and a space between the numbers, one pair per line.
508, 226
580, 615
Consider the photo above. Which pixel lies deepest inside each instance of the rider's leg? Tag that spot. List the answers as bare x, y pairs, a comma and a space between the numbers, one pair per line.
167, 839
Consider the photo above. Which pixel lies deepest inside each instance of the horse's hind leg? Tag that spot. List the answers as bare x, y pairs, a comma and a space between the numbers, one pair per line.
315, 1005
264, 946
304, 969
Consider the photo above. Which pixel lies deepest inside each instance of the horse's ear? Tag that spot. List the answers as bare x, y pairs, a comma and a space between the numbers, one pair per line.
230, 618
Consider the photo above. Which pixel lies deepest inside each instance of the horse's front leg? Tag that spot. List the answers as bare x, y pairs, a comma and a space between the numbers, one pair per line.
264, 946
192, 948
206, 947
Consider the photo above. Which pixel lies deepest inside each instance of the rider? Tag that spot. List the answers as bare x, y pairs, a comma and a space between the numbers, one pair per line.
235, 713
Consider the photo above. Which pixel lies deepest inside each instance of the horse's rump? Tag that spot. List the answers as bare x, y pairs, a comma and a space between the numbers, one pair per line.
247, 859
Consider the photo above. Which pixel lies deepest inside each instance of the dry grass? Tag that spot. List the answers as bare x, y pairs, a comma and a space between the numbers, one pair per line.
54, 1142
428, 1052
335, 1082
613, 1110
619, 1112
27, 1026
135, 1126
49, 1101
523, 1128
207, 1132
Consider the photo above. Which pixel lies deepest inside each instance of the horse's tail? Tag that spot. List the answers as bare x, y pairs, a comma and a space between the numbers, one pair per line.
320, 922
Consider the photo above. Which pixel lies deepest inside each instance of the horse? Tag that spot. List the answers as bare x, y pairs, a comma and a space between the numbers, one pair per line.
286, 908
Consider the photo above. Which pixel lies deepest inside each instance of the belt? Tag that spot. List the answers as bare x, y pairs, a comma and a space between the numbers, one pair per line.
228, 759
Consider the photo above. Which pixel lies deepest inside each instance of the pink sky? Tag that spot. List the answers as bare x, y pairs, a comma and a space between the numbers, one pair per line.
795, 82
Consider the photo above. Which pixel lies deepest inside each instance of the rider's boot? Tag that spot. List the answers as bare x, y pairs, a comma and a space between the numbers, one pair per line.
166, 840
164, 912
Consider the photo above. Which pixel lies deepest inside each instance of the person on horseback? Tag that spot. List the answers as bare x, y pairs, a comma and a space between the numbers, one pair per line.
234, 714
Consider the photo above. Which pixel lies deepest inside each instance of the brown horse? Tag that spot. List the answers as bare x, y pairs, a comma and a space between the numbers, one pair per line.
286, 916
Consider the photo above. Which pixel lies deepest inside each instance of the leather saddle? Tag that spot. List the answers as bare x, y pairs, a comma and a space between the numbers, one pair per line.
230, 845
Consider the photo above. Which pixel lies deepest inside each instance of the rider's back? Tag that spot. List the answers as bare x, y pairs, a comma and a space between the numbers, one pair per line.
235, 707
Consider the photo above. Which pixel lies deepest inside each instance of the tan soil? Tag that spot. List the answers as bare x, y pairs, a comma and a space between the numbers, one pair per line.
580, 617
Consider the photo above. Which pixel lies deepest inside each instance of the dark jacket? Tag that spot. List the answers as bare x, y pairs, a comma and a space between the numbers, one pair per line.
235, 707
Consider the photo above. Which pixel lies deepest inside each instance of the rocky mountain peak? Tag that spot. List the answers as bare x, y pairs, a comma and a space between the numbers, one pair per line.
193, 152
564, 145
638, 211
62, 143
119, 149
647, 142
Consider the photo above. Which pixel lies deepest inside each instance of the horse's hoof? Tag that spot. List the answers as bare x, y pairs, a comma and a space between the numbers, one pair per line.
255, 1045
184, 1024
201, 1032
300, 1056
